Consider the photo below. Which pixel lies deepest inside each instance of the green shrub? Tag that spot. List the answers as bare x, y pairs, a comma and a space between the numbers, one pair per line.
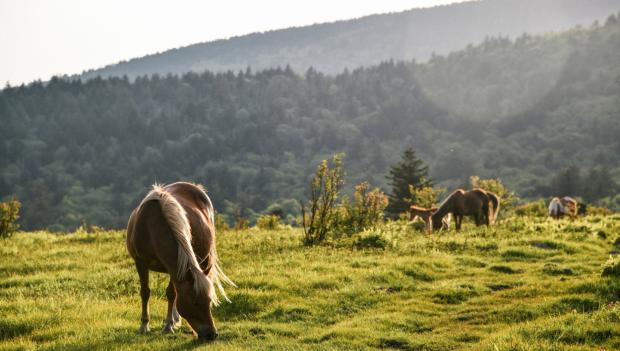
268, 222
241, 222
596, 210
371, 241
425, 196
365, 212
220, 223
9, 214
319, 218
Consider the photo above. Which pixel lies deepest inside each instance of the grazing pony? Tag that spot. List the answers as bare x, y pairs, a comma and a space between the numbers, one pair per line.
425, 214
172, 231
556, 210
474, 203
558, 207
570, 206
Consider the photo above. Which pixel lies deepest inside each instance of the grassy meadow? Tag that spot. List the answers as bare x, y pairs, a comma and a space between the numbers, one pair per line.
526, 284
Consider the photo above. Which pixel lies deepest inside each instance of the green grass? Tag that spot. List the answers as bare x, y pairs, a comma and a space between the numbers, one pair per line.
527, 284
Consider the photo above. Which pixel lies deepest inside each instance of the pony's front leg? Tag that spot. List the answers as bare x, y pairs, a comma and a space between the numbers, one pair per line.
457, 221
145, 293
173, 319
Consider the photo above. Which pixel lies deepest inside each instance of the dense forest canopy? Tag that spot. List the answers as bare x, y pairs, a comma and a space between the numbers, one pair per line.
75, 151
332, 47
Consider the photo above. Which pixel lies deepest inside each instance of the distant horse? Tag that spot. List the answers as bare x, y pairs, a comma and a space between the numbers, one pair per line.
474, 203
556, 210
495, 202
425, 214
559, 207
172, 231
570, 206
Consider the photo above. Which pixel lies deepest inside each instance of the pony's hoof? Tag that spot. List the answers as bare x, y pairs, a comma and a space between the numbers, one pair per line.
168, 329
144, 329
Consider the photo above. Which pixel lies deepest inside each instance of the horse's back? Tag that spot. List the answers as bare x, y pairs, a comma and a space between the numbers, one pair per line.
476, 199
190, 194
150, 239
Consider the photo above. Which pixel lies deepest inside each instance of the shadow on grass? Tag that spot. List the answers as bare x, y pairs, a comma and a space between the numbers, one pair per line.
607, 289
242, 306
10, 329
130, 338
505, 270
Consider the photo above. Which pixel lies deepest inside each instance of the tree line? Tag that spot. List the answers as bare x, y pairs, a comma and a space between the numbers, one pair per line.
75, 152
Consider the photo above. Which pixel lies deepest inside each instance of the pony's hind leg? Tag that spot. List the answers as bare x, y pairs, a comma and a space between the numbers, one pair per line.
145, 293
173, 319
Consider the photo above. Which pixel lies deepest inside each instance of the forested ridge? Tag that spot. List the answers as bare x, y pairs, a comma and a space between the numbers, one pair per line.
332, 47
85, 151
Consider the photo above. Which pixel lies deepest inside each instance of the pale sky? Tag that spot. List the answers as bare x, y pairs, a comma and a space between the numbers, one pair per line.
42, 38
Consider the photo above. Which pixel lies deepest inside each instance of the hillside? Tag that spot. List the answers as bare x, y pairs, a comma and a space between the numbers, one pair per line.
331, 47
77, 152
526, 285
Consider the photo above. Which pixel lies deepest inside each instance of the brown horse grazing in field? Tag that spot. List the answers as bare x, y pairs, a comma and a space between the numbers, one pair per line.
425, 214
461, 203
172, 231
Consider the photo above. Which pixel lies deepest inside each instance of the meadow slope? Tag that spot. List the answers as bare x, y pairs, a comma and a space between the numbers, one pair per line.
528, 284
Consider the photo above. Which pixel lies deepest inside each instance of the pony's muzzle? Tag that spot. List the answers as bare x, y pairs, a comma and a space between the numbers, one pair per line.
205, 334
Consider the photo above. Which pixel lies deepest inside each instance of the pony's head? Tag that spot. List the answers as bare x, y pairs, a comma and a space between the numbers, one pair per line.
436, 220
195, 306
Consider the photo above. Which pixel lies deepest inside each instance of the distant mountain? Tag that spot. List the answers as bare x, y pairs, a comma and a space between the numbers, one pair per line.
330, 47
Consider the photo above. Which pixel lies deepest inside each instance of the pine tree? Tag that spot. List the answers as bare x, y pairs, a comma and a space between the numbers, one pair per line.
409, 171
567, 182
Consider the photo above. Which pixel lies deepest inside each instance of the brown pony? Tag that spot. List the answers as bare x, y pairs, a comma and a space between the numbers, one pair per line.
474, 203
172, 231
425, 214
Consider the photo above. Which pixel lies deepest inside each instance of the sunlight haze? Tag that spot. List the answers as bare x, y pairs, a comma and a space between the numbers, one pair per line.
40, 39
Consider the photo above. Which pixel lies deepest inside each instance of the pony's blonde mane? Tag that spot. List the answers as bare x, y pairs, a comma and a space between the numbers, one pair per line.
216, 274
176, 217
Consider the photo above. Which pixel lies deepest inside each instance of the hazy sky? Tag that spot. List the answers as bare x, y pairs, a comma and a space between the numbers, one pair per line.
41, 38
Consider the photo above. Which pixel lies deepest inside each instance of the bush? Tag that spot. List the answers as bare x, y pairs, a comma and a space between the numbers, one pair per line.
241, 222
319, 219
425, 196
268, 222
532, 209
596, 210
221, 223
9, 214
364, 213
371, 241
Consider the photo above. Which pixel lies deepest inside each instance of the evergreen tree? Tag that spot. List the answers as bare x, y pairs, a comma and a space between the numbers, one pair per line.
567, 182
409, 171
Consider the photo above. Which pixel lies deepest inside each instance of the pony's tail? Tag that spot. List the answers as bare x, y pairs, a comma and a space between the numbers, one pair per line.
176, 217
496, 203
217, 276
